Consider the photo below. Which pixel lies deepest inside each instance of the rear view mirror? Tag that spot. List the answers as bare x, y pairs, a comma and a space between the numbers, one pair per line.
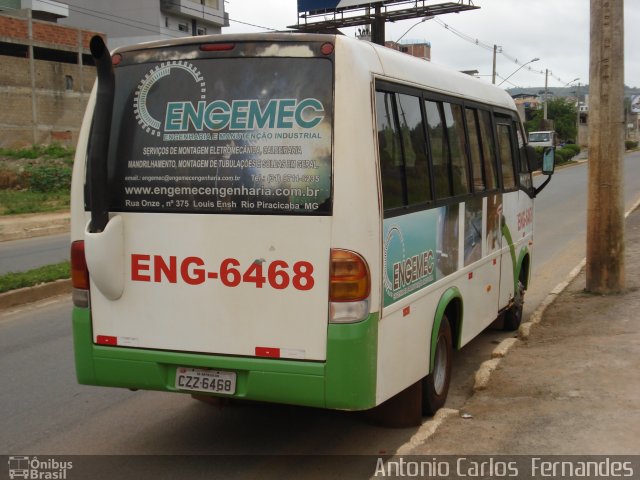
548, 160
533, 160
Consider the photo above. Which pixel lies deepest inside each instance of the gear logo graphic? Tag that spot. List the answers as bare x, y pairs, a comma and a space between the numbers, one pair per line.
145, 119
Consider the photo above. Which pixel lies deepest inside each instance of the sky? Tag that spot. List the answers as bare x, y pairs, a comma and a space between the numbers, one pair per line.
555, 31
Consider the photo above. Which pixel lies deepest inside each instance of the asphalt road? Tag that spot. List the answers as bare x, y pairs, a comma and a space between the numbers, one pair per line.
22, 255
45, 411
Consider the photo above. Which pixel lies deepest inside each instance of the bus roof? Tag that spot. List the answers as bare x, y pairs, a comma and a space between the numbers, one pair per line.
395, 65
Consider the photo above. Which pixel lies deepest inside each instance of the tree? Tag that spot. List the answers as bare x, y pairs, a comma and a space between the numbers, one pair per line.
562, 112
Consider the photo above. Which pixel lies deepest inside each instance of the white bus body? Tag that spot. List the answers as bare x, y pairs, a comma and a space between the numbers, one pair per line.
279, 230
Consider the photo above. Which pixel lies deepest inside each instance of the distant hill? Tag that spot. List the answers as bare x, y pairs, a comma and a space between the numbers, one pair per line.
566, 91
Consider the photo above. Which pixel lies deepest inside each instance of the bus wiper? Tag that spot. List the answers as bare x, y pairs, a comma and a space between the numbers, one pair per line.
100, 131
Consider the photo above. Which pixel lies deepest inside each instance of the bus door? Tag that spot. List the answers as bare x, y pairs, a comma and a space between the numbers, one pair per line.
510, 208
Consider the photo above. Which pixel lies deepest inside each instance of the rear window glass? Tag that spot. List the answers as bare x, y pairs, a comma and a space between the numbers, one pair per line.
228, 135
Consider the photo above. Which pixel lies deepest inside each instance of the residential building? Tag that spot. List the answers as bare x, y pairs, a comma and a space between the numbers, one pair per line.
416, 49
45, 79
127, 22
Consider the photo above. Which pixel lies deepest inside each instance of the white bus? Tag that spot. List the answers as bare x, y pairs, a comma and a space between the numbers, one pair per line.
302, 219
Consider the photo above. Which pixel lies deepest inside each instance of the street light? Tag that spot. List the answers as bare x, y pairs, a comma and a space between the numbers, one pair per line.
518, 69
414, 25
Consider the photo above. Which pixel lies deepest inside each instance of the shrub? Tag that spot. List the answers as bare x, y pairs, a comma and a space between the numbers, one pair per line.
572, 147
47, 177
560, 156
630, 144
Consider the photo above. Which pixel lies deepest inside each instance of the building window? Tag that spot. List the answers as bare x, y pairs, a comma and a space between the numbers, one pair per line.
183, 27
202, 31
68, 82
210, 3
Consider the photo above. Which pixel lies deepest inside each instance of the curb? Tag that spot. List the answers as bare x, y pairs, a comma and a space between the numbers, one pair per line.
483, 375
21, 296
21, 227
427, 429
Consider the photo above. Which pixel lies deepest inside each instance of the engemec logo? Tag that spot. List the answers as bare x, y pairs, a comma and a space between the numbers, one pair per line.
237, 115
145, 119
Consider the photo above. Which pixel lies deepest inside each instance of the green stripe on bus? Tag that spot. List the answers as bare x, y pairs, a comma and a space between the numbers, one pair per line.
352, 359
447, 297
512, 250
347, 380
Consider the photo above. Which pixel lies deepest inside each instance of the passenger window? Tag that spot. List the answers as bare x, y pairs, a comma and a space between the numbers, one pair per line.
506, 156
439, 150
488, 150
455, 132
415, 155
391, 167
474, 149
525, 175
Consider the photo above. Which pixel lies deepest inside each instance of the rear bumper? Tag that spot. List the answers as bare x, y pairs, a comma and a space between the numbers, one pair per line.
346, 380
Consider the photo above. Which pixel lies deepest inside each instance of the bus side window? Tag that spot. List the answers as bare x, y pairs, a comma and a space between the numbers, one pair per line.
474, 149
391, 165
439, 150
523, 170
506, 156
459, 165
488, 150
414, 145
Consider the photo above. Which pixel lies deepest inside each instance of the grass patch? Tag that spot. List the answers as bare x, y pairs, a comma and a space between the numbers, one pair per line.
15, 202
36, 151
48, 273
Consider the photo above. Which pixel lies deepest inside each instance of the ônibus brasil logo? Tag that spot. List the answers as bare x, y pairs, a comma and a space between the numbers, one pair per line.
237, 115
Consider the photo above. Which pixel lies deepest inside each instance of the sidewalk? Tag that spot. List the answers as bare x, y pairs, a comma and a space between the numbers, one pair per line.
18, 227
573, 387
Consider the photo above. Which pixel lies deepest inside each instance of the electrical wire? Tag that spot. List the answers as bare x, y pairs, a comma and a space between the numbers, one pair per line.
487, 46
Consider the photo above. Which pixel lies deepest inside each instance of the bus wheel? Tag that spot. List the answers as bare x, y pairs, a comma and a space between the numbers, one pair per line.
435, 386
513, 316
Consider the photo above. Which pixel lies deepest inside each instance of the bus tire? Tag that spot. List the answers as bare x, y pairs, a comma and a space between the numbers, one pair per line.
435, 386
513, 315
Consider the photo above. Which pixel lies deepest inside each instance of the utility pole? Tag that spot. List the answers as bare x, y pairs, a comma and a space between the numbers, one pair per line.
546, 90
605, 213
495, 52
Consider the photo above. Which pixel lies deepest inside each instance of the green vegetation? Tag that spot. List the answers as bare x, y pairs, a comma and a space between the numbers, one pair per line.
17, 202
630, 144
37, 151
564, 115
35, 179
49, 273
563, 155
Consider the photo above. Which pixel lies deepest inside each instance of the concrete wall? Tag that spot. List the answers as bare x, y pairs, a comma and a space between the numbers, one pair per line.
42, 101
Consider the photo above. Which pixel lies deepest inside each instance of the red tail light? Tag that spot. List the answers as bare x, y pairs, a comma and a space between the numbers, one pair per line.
79, 270
350, 280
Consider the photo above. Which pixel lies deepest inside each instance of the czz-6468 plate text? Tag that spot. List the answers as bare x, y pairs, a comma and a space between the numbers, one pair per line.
204, 380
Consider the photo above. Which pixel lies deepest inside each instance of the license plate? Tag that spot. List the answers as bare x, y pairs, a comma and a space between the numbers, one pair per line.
204, 380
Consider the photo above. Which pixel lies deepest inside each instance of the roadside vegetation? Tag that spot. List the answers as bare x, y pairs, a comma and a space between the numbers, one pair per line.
35, 179
30, 278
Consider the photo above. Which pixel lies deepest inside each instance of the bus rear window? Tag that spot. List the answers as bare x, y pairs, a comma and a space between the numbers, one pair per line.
226, 135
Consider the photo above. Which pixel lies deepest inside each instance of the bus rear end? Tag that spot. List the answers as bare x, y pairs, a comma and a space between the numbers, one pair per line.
202, 253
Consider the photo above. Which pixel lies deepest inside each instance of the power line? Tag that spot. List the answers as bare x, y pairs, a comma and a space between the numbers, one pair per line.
487, 46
